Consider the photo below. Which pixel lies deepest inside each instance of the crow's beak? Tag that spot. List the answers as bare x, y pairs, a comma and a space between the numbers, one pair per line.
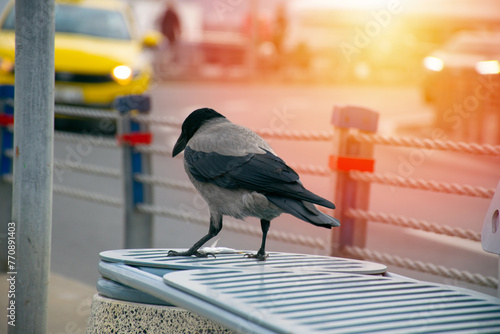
180, 145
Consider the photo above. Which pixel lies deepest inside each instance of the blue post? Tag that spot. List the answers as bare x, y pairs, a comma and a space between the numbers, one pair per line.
138, 225
7, 137
6, 144
351, 155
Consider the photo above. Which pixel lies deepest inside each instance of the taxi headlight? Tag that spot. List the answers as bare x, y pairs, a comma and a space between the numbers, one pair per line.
488, 67
122, 74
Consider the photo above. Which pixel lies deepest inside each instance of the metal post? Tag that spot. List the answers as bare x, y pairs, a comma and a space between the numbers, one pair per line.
6, 144
138, 225
254, 36
33, 162
350, 193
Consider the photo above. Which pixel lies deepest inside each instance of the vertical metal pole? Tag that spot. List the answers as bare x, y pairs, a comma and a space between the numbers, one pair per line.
33, 162
138, 225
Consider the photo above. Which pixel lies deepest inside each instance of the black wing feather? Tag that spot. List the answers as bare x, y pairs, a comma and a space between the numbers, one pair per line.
265, 173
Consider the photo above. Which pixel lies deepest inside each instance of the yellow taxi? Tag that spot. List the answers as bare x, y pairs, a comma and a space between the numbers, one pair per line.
98, 52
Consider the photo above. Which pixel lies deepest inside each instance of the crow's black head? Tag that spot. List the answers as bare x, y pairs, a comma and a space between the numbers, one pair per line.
191, 124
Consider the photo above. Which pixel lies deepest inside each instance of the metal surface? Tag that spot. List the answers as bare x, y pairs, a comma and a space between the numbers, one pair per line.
273, 301
311, 303
33, 161
236, 259
111, 289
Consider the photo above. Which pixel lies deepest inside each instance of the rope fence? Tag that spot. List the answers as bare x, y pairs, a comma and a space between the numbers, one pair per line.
472, 148
87, 139
420, 266
415, 224
87, 169
311, 170
155, 120
431, 144
367, 177
296, 135
421, 184
164, 182
86, 112
145, 178
87, 195
79, 194
155, 149
461, 147
318, 243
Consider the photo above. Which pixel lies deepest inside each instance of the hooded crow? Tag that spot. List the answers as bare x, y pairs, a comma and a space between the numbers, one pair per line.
239, 175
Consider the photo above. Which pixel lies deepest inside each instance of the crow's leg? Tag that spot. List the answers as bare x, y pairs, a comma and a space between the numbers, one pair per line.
215, 227
261, 253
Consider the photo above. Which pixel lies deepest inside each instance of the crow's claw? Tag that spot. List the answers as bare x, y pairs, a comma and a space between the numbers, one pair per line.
187, 253
207, 254
258, 256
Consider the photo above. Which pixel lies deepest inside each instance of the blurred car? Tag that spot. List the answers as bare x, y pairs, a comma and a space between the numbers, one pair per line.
98, 52
464, 58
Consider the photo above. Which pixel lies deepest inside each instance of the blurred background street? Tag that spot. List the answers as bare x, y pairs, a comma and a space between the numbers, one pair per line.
430, 68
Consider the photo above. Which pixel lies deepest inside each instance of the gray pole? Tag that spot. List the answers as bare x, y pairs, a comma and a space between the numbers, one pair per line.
33, 161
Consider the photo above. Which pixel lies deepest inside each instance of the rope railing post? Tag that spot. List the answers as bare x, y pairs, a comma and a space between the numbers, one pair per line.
6, 143
138, 225
351, 155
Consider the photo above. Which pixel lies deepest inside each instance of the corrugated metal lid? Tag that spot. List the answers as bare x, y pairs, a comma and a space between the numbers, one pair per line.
287, 302
276, 261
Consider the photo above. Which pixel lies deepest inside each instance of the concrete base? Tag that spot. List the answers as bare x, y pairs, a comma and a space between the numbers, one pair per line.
116, 316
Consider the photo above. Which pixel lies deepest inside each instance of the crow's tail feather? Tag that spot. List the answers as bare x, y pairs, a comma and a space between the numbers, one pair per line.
313, 198
304, 210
